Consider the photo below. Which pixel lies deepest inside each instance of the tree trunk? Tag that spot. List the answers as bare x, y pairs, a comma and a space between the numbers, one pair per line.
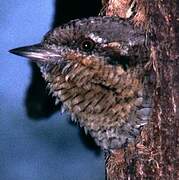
155, 154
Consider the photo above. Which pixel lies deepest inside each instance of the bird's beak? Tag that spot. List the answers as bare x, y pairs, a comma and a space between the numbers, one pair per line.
36, 52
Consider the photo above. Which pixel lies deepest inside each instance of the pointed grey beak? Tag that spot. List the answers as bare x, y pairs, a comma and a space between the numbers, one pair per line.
36, 52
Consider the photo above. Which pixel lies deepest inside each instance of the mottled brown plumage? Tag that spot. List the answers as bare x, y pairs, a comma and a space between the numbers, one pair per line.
96, 68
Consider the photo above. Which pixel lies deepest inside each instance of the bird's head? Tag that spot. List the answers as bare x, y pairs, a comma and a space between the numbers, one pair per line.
94, 67
98, 44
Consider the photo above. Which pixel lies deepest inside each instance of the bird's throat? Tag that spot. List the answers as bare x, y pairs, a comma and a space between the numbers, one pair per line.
99, 104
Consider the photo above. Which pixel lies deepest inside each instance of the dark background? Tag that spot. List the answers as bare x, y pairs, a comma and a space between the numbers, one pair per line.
50, 148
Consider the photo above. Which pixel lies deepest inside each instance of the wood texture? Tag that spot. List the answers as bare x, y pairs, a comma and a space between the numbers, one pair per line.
155, 155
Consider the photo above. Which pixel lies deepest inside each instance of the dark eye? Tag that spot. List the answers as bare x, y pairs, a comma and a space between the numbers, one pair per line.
87, 45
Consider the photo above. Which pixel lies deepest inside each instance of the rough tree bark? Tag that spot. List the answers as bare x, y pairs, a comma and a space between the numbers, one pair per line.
155, 154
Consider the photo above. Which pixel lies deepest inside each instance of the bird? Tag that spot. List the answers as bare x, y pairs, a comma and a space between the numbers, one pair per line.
96, 68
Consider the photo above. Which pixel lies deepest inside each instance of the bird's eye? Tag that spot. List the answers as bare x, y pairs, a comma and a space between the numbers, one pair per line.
87, 45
